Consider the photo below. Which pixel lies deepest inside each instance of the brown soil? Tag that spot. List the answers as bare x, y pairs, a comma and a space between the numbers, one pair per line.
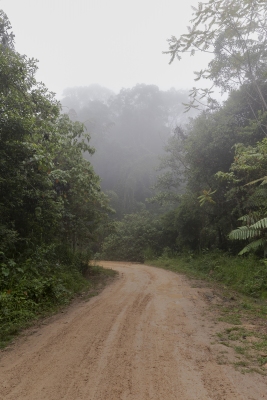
147, 336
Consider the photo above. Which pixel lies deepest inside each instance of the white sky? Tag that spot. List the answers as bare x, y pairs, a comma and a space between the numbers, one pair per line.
116, 43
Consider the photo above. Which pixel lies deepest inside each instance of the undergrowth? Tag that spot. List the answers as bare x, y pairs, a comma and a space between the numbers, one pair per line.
39, 287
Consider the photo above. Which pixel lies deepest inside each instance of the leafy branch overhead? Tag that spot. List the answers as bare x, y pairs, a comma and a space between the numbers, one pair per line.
235, 36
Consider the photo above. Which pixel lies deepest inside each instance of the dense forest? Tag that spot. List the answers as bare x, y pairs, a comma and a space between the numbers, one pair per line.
211, 180
131, 175
51, 203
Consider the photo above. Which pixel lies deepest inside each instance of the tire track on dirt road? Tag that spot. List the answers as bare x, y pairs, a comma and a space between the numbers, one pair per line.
143, 338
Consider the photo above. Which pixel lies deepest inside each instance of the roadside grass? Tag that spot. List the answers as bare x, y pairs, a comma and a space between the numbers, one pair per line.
246, 275
247, 331
250, 344
240, 288
19, 309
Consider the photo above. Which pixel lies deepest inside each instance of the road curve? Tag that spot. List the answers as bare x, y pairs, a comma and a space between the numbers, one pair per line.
145, 337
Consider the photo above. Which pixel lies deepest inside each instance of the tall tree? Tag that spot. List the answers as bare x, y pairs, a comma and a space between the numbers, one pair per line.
6, 35
49, 194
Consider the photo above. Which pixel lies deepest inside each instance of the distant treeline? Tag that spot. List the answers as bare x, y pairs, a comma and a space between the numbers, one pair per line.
129, 131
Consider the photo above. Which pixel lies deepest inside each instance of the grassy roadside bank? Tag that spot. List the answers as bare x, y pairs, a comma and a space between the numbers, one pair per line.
237, 296
24, 304
244, 275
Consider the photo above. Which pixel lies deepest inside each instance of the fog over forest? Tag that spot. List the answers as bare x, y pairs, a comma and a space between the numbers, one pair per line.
105, 154
129, 132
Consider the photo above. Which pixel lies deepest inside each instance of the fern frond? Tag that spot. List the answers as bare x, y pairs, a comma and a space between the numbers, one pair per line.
261, 224
244, 218
251, 218
253, 246
243, 233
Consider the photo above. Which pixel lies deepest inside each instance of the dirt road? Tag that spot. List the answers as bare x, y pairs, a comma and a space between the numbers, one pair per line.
146, 336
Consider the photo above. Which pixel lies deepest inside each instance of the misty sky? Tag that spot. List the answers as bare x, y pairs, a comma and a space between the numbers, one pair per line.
116, 43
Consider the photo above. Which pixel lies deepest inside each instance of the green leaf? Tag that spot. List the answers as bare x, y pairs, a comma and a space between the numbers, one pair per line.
253, 246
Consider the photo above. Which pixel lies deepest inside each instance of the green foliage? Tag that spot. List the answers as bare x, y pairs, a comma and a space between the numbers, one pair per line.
6, 37
235, 34
38, 285
134, 236
49, 192
243, 233
206, 197
51, 204
181, 227
253, 246
254, 231
195, 158
250, 169
212, 174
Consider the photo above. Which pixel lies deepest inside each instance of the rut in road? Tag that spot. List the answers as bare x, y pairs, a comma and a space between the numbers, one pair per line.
144, 337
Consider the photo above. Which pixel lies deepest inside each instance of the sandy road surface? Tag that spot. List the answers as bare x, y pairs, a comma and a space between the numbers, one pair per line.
144, 337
